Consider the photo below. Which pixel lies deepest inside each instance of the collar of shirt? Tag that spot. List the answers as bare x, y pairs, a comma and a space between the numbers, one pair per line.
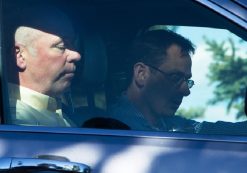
35, 99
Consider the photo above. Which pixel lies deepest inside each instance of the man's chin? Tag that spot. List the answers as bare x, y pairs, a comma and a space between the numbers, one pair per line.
67, 89
63, 88
170, 112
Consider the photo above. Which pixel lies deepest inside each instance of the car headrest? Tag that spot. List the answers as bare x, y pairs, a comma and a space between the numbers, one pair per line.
95, 59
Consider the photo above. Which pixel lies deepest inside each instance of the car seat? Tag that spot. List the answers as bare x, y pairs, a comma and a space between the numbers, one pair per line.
89, 78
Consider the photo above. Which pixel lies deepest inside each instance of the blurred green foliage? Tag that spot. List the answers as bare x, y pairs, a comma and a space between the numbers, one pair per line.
228, 73
192, 112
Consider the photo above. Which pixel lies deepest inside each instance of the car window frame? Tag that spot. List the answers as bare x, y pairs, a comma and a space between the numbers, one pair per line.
124, 133
131, 133
216, 7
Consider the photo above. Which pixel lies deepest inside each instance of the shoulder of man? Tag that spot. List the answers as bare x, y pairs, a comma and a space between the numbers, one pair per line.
23, 114
180, 124
223, 128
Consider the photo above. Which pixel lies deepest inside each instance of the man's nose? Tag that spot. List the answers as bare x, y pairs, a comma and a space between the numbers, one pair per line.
73, 56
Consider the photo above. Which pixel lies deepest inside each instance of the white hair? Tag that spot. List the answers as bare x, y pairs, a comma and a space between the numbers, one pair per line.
26, 36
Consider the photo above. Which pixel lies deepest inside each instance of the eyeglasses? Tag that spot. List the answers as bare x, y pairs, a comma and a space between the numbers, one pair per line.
177, 78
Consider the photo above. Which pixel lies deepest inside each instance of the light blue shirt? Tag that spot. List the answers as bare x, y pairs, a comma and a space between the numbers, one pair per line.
124, 111
28, 107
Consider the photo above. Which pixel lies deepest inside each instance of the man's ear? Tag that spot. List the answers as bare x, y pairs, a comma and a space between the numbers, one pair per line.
141, 74
20, 56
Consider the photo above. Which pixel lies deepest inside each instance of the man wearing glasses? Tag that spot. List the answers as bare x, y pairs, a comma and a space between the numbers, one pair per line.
159, 77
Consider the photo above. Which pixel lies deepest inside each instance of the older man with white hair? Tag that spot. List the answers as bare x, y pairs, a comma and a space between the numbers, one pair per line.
45, 59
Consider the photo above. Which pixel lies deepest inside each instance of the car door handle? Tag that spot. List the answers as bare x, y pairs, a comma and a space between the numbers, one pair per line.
32, 164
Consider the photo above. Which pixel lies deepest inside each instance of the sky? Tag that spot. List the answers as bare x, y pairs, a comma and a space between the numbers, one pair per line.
202, 91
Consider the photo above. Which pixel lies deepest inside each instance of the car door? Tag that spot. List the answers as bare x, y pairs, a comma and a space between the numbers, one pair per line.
76, 149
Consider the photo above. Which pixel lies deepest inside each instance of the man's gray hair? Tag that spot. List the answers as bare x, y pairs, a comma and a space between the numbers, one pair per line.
26, 36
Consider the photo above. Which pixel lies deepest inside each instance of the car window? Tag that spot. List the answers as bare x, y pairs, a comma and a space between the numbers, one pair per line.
224, 50
76, 67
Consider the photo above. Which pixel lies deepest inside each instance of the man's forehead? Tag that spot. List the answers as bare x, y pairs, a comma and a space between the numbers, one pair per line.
48, 19
177, 61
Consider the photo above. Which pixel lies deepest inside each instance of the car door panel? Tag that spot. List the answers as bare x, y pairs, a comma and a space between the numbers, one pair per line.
108, 151
121, 151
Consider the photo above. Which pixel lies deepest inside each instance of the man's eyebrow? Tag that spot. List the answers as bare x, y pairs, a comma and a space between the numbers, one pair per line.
57, 41
188, 75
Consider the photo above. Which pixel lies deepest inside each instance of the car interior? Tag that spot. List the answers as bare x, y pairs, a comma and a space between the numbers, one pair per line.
103, 74
105, 28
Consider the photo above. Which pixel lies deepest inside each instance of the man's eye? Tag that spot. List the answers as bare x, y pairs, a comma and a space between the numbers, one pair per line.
176, 77
60, 47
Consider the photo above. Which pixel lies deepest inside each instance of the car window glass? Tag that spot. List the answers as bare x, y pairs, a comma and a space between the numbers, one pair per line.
75, 67
219, 55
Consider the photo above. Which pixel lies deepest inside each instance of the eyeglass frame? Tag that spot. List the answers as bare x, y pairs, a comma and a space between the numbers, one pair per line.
190, 83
